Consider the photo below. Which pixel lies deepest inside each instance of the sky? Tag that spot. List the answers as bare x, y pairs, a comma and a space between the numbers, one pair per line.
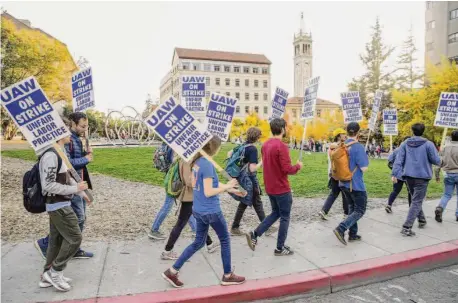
129, 45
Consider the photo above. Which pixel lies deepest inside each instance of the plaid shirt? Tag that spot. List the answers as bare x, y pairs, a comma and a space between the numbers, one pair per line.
77, 153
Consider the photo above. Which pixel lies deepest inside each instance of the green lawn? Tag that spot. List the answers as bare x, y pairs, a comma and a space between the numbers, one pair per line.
135, 164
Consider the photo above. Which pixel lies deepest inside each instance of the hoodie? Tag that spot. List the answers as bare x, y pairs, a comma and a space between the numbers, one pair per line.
415, 159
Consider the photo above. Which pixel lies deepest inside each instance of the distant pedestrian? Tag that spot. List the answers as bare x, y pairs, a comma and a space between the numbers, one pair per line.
414, 164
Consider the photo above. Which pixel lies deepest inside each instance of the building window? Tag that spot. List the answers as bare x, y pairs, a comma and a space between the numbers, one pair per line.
256, 109
429, 4
236, 69
207, 67
185, 65
454, 14
237, 95
430, 25
228, 81
264, 83
228, 94
247, 109
217, 81
318, 112
266, 109
256, 96
246, 69
453, 38
265, 97
294, 113
429, 46
265, 70
196, 66
227, 68
247, 96
237, 82
217, 68
256, 83
207, 80
255, 70
247, 82
237, 109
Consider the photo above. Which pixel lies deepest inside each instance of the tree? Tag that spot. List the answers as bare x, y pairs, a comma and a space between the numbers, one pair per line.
409, 76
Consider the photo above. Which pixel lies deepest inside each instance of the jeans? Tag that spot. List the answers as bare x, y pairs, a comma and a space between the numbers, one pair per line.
450, 182
417, 188
335, 191
258, 208
357, 201
218, 223
281, 209
164, 211
183, 217
397, 187
79, 207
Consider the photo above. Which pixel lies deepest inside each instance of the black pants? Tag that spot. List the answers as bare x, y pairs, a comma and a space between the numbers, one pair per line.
183, 218
335, 191
397, 187
258, 208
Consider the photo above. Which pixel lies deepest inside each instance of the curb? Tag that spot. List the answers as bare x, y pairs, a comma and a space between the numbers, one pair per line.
319, 281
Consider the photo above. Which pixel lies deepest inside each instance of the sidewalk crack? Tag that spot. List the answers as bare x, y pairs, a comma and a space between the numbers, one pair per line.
102, 272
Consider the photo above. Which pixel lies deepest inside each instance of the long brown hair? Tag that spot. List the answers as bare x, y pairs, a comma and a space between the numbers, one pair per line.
210, 148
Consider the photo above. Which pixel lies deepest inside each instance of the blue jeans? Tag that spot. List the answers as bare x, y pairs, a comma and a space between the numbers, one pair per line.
417, 188
281, 209
218, 223
79, 207
164, 211
357, 201
450, 182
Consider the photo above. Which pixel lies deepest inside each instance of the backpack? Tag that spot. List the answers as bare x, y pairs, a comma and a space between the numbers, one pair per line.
340, 162
34, 200
235, 163
172, 182
160, 160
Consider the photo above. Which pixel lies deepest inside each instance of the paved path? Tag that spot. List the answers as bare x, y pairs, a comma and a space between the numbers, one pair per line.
125, 268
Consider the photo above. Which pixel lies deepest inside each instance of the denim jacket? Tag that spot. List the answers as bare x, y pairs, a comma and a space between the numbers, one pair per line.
248, 181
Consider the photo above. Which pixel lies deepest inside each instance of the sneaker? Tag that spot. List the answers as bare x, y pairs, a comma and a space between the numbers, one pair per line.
236, 232
422, 224
233, 279
56, 279
286, 251
45, 284
407, 232
81, 254
272, 230
354, 238
323, 215
172, 278
251, 239
42, 246
340, 236
345, 217
388, 209
213, 247
156, 235
438, 214
169, 255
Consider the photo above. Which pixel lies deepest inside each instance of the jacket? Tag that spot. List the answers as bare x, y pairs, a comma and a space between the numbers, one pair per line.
186, 176
77, 153
449, 158
415, 159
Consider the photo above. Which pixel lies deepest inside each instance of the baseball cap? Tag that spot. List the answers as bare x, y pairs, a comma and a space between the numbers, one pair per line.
353, 128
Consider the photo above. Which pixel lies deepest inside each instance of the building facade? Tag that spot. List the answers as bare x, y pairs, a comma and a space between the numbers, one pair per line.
245, 77
294, 108
441, 36
303, 56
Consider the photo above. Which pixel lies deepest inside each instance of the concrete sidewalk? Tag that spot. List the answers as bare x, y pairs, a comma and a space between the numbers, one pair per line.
121, 271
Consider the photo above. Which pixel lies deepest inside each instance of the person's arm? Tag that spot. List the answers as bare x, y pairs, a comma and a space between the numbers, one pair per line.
77, 163
210, 191
48, 177
362, 161
399, 162
285, 161
252, 158
392, 156
433, 155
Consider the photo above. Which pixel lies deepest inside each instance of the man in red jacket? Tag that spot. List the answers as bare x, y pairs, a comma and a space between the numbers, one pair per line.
277, 167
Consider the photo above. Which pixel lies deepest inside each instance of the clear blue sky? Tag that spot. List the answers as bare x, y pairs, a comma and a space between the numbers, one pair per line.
130, 44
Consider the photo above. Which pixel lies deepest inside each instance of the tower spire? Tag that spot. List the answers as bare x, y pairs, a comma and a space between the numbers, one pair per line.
302, 25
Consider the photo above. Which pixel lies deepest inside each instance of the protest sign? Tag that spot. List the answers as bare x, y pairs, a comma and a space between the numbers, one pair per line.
178, 128
83, 90
279, 103
32, 112
310, 96
351, 106
220, 112
193, 94
390, 122
447, 110
375, 109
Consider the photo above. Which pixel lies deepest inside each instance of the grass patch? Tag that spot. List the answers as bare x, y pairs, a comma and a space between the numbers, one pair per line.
135, 164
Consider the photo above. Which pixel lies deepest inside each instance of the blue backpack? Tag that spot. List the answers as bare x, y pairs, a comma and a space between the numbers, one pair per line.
235, 163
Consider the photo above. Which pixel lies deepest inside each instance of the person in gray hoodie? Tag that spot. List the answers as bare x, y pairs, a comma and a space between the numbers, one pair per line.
414, 165
449, 163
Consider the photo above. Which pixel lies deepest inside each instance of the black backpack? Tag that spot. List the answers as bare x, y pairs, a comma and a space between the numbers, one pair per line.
34, 201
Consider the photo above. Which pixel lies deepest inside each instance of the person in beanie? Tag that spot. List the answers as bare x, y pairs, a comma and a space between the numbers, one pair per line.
354, 190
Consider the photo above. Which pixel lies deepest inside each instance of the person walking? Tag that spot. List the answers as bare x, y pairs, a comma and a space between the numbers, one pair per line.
333, 184
354, 190
207, 211
414, 164
449, 163
397, 187
277, 167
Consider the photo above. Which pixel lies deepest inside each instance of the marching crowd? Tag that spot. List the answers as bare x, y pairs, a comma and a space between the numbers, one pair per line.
197, 187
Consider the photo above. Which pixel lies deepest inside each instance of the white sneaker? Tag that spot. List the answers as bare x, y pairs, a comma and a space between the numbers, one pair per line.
323, 215
213, 247
169, 255
45, 284
56, 278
